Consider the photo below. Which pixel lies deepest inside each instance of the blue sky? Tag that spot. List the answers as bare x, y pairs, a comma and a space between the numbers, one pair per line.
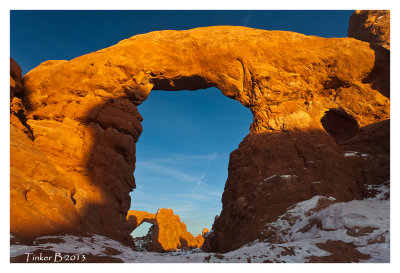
183, 153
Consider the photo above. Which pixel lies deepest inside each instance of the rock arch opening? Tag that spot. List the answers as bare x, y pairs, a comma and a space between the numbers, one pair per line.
141, 230
183, 152
340, 125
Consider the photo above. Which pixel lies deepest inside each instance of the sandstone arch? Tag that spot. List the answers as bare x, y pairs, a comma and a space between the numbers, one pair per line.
84, 119
135, 218
167, 232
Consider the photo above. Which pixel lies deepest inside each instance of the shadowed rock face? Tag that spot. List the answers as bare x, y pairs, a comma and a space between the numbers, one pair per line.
271, 171
372, 26
16, 85
84, 122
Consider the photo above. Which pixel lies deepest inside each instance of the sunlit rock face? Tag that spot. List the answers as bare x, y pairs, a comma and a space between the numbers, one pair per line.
167, 233
84, 123
40, 194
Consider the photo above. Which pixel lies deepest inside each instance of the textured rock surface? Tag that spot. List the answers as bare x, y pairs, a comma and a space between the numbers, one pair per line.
40, 193
60, 183
372, 26
285, 89
168, 233
17, 109
84, 120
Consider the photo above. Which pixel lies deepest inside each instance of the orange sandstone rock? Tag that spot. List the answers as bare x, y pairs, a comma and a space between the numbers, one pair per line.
41, 196
84, 121
285, 89
169, 233
204, 232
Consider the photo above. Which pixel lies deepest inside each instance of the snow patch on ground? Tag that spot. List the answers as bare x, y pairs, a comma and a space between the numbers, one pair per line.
364, 223
352, 153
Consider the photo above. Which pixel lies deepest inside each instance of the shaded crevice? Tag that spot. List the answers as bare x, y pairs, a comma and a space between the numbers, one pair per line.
191, 83
379, 77
26, 193
334, 83
340, 125
22, 118
73, 199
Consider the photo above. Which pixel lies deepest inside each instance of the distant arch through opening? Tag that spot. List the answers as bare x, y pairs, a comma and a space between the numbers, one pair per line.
141, 230
183, 153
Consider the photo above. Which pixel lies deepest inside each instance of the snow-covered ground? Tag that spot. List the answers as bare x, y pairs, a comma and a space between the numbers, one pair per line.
362, 223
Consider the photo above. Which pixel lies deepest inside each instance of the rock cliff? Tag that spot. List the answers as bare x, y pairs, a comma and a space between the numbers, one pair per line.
320, 108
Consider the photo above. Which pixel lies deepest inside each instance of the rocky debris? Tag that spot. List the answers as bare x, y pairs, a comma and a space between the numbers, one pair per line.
372, 26
83, 116
167, 233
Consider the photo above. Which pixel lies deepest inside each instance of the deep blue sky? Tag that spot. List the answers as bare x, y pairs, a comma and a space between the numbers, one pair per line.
183, 153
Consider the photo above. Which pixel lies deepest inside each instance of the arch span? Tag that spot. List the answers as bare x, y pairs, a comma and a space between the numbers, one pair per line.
84, 118
135, 218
